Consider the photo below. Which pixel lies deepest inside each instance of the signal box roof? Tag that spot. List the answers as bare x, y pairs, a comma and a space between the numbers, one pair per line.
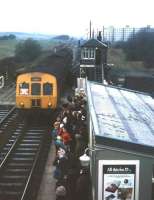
121, 118
94, 43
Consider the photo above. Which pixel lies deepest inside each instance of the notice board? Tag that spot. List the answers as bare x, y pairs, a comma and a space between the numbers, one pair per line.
118, 180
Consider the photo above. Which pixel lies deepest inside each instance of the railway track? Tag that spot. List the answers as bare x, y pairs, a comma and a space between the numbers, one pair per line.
7, 95
7, 125
5, 110
23, 157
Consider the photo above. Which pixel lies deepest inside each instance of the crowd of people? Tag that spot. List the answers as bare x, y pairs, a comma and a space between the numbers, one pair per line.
70, 137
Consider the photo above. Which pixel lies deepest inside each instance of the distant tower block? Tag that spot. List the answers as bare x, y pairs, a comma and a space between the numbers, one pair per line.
1, 81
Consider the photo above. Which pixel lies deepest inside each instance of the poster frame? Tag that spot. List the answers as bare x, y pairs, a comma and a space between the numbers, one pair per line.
102, 163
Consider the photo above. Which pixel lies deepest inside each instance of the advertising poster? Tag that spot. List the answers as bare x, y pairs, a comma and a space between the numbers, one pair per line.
118, 180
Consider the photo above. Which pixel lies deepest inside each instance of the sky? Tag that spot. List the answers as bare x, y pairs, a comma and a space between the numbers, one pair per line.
72, 17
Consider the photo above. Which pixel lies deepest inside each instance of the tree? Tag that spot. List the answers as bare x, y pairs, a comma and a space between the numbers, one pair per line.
8, 37
140, 47
28, 50
12, 37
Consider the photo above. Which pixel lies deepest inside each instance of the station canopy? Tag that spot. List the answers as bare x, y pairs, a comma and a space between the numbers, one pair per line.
121, 115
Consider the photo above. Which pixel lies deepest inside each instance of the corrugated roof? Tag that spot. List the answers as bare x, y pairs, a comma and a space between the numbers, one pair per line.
94, 43
122, 114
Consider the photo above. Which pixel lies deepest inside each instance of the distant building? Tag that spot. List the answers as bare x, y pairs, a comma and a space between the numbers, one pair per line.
93, 60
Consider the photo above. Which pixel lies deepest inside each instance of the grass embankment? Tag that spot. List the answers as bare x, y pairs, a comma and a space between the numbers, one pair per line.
121, 65
11, 65
7, 48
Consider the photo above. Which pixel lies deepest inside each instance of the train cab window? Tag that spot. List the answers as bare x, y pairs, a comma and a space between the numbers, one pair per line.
36, 89
47, 89
23, 88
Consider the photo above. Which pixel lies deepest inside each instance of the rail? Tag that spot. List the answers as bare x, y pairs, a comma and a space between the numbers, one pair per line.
27, 149
5, 117
31, 173
8, 154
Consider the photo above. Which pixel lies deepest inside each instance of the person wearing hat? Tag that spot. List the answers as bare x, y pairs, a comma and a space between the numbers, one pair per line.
61, 163
61, 152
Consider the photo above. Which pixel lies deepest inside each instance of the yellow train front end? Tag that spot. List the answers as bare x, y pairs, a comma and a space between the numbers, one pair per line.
36, 90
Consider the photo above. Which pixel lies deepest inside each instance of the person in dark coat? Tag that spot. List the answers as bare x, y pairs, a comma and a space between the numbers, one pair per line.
80, 145
61, 164
72, 176
83, 185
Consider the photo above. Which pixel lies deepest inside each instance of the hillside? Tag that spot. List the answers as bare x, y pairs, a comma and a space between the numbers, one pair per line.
23, 36
7, 48
117, 56
123, 68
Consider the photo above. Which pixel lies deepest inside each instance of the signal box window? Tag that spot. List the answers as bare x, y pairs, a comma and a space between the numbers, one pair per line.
36, 88
47, 89
23, 88
88, 53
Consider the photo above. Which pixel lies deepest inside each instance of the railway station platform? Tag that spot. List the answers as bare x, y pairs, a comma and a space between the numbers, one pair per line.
48, 183
47, 187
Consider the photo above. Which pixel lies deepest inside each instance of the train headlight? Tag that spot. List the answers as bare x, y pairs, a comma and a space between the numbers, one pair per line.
21, 104
49, 104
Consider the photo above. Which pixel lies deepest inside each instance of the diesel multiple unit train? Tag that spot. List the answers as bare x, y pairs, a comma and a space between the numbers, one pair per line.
36, 90
41, 86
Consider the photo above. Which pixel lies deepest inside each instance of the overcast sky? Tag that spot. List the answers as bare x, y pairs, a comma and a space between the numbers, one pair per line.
72, 17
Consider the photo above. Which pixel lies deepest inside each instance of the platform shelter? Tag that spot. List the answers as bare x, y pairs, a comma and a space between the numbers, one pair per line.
121, 143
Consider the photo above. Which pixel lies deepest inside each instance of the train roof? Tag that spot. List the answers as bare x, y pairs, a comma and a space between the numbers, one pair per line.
121, 117
45, 69
54, 70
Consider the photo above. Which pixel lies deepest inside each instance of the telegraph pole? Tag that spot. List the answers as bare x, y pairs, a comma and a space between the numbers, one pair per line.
90, 29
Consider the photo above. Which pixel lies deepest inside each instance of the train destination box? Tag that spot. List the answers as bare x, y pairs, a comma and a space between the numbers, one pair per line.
121, 143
